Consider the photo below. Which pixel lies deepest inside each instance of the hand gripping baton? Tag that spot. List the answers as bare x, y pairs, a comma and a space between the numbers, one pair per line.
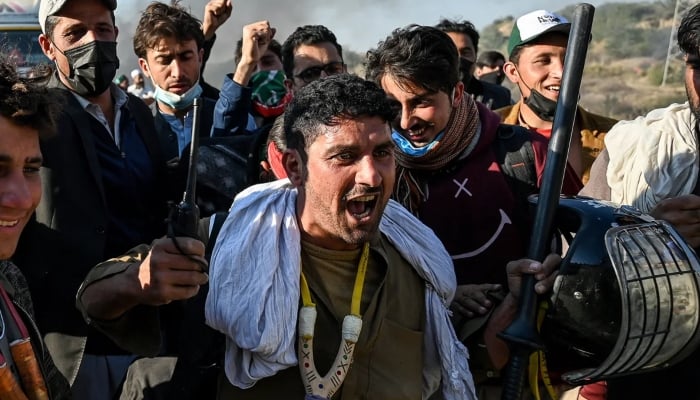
521, 334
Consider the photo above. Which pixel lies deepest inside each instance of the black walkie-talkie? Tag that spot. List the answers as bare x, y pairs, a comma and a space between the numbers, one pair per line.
184, 217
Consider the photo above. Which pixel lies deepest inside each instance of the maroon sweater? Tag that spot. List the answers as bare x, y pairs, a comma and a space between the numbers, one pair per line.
471, 208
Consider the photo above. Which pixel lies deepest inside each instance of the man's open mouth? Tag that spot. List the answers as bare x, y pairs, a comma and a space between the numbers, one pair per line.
361, 207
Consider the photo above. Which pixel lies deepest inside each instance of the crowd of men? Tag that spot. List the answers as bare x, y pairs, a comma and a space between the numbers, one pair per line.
375, 249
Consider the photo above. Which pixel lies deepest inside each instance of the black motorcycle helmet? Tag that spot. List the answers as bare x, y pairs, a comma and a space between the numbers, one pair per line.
627, 298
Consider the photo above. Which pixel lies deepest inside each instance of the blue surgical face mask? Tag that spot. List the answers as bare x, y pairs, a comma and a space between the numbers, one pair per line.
177, 101
408, 148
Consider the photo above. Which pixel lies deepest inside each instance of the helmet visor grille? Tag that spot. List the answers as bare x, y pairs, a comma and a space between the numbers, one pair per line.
657, 275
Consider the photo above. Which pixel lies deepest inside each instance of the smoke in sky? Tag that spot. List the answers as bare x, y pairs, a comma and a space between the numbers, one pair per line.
285, 16
358, 24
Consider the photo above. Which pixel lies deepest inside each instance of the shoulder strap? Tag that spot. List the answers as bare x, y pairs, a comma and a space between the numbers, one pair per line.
515, 156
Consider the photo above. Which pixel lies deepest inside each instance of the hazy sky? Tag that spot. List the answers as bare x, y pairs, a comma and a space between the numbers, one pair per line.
358, 24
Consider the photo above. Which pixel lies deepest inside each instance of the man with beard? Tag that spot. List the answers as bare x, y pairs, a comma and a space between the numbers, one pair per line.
102, 180
448, 172
466, 38
536, 49
651, 163
363, 264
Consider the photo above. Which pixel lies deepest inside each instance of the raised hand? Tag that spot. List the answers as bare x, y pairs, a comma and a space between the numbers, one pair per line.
216, 12
256, 37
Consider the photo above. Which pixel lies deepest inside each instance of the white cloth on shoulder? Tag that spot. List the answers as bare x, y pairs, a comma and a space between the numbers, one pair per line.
254, 289
653, 157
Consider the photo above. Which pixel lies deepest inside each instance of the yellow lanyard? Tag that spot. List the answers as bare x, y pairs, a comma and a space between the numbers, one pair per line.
356, 291
323, 387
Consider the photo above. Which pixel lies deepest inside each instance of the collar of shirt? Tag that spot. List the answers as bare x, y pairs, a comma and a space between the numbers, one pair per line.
93, 109
181, 128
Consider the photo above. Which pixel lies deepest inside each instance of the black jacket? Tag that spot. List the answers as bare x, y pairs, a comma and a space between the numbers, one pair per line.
67, 236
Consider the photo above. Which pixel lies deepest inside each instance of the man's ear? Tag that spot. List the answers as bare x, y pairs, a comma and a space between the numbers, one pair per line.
294, 166
46, 47
143, 64
458, 93
511, 72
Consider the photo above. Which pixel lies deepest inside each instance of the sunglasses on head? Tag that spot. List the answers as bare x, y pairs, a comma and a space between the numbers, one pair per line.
312, 73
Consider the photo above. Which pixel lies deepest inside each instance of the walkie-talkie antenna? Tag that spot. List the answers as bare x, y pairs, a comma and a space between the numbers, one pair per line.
189, 195
186, 216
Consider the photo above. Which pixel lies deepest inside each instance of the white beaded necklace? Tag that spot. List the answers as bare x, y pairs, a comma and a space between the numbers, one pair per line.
323, 387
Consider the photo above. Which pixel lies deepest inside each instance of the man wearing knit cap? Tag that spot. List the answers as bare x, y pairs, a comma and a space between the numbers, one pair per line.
103, 180
536, 49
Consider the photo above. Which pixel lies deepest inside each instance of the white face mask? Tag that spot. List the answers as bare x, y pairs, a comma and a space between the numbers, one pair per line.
177, 101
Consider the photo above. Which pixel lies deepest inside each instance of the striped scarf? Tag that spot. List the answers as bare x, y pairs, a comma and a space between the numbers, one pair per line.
460, 131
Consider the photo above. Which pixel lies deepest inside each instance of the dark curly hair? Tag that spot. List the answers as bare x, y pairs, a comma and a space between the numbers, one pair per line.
26, 103
689, 32
463, 27
416, 55
306, 35
329, 102
490, 59
161, 20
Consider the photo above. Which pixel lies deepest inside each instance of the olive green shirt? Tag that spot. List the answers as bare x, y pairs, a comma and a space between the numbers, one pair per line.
388, 358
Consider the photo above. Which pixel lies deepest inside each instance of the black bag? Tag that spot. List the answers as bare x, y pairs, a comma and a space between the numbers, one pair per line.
225, 166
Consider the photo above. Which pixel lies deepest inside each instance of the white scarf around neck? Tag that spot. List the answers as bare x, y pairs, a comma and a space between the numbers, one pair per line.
254, 289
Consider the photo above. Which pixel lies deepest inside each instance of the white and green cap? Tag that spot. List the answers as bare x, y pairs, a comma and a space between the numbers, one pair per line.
535, 24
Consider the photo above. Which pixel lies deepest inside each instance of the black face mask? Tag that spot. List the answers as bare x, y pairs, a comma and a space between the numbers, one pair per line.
465, 71
542, 106
92, 67
495, 77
